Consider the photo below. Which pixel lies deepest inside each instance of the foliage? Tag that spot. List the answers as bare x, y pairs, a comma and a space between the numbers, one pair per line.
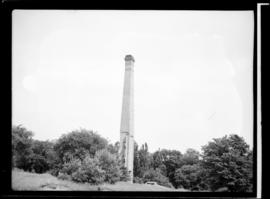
38, 163
124, 174
168, 161
190, 157
84, 156
29, 154
114, 148
136, 164
228, 162
190, 177
43, 157
89, 171
70, 167
155, 175
103, 167
79, 144
21, 147
108, 162
142, 160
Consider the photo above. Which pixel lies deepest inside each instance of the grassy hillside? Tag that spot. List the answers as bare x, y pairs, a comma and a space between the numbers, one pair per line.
31, 181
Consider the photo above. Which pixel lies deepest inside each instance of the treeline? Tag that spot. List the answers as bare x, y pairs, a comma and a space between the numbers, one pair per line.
225, 164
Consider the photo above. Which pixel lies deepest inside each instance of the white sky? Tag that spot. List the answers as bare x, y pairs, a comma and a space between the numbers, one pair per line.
193, 74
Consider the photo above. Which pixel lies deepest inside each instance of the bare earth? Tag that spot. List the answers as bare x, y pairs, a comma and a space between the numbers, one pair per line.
31, 181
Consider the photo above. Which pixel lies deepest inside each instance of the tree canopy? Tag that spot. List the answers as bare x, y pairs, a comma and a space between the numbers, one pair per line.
228, 161
225, 164
79, 144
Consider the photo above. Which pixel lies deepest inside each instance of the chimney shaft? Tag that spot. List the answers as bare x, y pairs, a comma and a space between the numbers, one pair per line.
127, 117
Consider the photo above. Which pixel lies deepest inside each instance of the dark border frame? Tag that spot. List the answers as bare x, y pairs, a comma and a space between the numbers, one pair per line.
6, 10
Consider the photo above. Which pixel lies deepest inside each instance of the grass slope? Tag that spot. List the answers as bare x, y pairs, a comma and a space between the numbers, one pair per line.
31, 181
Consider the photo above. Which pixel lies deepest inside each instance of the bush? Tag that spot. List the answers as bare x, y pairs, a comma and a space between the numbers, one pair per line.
79, 176
111, 164
108, 162
104, 167
89, 172
72, 166
155, 175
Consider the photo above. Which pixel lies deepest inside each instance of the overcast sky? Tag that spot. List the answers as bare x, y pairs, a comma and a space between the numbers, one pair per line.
192, 73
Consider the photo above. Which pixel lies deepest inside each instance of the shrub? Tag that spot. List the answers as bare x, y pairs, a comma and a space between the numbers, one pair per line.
104, 167
89, 172
155, 175
72, 166
108, 162
79, 176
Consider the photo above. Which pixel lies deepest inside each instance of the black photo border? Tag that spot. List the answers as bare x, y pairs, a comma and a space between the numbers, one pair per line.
7, 6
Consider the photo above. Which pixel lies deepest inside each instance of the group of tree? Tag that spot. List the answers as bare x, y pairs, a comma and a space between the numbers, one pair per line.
225, 164
81, 156
29, 154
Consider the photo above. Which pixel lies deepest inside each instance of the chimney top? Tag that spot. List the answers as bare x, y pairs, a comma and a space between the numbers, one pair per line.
129, 58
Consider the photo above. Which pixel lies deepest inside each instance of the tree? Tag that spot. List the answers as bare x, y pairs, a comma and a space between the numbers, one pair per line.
136, 166
228, 162
78, 144
21, 147
191, 157
38, 163
142, 160
158, 162
190, 177
44, 157
168, 161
